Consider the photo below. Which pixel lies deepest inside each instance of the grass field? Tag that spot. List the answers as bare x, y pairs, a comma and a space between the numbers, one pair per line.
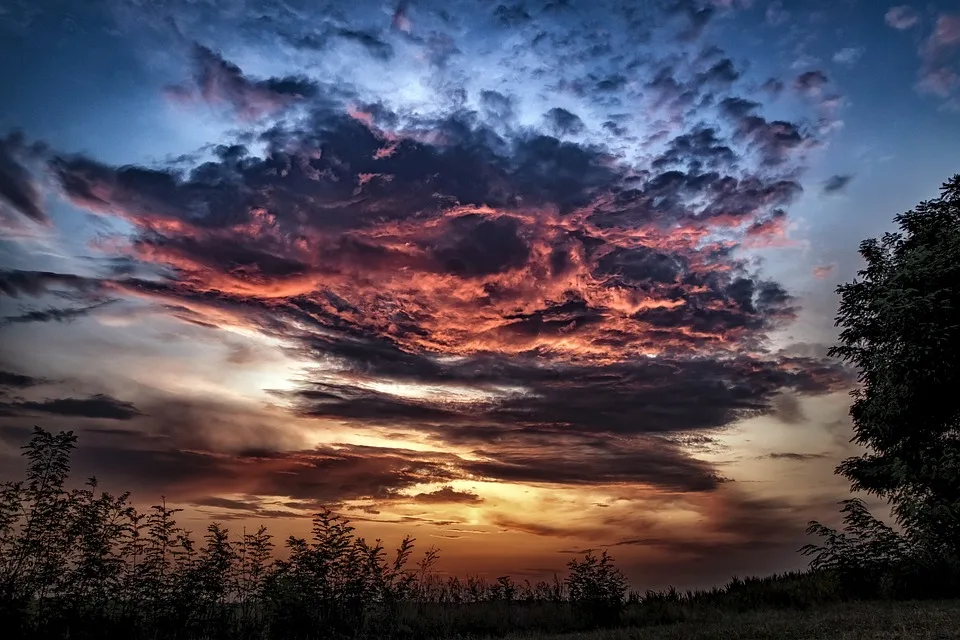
937, 620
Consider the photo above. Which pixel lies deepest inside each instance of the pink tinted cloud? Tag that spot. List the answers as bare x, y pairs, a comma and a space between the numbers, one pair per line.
221, 83
947, 31
823, 271
902, 17
938, 81
939, 73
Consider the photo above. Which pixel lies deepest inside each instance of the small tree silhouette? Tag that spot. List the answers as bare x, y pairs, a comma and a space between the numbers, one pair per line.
597, 588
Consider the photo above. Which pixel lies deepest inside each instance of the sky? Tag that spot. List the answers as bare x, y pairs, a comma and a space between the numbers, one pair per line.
521, 279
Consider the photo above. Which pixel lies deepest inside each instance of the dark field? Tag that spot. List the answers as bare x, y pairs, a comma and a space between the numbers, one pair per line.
935, 620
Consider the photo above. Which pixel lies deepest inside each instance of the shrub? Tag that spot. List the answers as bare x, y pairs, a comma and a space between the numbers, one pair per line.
597, 588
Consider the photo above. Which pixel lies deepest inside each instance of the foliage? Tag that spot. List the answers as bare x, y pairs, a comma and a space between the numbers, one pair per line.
87, 564
901, 328
597, 587
863, 556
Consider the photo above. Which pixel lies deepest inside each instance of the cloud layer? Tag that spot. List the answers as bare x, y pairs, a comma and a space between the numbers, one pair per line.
502, 249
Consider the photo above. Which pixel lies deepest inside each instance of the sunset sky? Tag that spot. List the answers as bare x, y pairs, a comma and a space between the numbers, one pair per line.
519, 279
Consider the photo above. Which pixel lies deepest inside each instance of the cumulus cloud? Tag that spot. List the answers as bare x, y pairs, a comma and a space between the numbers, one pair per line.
504, 253
810, 83
940, 72
562, 122
531, 276
902, 17
221, 83
848, 55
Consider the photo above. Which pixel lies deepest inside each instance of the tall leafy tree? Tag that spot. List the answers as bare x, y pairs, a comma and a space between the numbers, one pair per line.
900, 326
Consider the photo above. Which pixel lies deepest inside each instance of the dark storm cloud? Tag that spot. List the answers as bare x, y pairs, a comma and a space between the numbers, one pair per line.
775, 140
722, 72
368, 40
483, 246
13, 380
810, 83
537, 294
671, 93
52, 314
18, 188
562, 122
497, 106
16, 283
307, 479
700, 148
662, 397
218, 81
372, 41
738, 107
836, 183
447, 495
97, 406
662, 466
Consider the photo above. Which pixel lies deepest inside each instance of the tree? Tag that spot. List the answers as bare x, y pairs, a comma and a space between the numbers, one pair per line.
900, 323
34, 540
597, 588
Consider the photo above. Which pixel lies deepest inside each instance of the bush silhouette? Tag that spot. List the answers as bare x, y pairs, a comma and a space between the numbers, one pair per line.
597, 588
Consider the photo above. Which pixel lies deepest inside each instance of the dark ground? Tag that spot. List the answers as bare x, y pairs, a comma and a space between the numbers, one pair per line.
934, 620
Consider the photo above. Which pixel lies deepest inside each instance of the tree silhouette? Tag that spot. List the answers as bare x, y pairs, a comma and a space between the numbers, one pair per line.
900, 326
597, 587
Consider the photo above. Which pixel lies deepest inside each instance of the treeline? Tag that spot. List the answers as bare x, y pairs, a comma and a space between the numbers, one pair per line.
84, 563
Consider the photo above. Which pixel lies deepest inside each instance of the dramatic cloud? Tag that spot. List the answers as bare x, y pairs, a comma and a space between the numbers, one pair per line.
221, 83
472, 284
490, 250
775, 141
562, 122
